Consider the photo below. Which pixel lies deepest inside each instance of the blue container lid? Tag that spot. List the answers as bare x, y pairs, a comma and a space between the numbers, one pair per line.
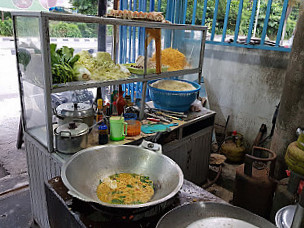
130, 116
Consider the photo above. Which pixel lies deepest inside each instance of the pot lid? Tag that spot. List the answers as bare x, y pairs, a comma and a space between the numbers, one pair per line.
75, 110
72, 129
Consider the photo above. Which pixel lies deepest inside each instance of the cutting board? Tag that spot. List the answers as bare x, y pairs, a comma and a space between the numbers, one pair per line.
153, 128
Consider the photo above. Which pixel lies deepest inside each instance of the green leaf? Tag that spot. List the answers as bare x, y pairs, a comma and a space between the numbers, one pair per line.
117, 201
73, 60
136, 202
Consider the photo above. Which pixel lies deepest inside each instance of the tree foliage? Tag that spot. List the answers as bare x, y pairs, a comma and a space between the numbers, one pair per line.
87, 7
273, 25
63, 29
6, 27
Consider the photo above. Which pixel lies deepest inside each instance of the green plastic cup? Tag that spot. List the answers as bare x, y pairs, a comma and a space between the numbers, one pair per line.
118, 128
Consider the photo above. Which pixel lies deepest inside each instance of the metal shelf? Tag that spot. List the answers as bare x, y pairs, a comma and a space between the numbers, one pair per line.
49, 88
77, 85
108, 21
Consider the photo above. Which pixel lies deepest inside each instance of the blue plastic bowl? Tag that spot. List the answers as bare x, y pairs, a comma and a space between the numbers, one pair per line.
177, 101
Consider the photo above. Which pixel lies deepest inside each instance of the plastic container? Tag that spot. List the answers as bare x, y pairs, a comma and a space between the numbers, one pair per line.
130, 116
133, 127
177, 101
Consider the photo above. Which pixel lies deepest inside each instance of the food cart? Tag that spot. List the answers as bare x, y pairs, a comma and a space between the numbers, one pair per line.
188, 144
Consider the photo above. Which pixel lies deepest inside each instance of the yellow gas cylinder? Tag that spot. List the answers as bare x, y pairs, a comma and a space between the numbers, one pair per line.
300, 141
294, 158
233, 148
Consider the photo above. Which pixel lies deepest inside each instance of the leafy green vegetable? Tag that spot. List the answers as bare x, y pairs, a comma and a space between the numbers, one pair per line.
118, 201
136, 202
62, 63
129, 186
82, 73
114, 176
144, 179
117, 192
102, 67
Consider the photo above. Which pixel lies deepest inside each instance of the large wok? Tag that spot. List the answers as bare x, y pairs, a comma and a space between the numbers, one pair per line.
210, 215
81, 174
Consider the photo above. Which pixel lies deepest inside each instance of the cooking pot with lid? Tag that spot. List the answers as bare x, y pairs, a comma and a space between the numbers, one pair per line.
71, 137
67, 112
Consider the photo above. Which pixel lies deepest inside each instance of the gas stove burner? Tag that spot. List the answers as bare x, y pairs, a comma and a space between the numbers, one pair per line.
82, 214
133, 214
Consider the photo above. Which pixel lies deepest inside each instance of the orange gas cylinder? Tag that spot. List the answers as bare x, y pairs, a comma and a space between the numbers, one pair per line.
254, 184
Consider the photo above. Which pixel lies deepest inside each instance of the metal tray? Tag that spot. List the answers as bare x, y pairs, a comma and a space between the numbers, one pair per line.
211, 215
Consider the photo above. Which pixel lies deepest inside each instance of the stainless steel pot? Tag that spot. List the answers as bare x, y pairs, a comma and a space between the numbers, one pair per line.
209, 214
67, 112
81, 174
71, 137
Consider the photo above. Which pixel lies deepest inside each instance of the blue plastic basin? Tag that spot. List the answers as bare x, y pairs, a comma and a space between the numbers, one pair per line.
177, 101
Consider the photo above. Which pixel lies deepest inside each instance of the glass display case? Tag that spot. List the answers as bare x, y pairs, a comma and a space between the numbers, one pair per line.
127, 42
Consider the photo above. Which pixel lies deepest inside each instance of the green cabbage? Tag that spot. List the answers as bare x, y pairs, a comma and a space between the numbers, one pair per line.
101, 67
82, 73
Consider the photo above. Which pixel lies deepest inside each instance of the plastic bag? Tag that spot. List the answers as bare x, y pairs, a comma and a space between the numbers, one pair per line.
196, 106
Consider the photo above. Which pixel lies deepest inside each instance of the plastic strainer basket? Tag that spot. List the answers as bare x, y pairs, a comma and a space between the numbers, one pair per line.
178, 101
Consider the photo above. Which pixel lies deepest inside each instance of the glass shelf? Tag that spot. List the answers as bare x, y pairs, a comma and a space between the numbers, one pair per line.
77, 85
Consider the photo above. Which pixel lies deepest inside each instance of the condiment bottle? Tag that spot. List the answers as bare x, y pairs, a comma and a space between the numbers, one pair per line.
113, 99
128, 101
114, 111
120, 102
103, 134
99, 113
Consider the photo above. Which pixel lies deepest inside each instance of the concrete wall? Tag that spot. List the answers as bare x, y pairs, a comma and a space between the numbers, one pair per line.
245, 84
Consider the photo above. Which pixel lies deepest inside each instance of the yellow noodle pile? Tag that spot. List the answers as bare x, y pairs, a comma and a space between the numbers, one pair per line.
125, 188
172, 58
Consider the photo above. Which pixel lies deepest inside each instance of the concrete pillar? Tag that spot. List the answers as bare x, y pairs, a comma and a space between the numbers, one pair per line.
291, 113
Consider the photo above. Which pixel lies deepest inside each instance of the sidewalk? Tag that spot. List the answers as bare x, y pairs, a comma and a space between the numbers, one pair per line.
15, 210
15, 206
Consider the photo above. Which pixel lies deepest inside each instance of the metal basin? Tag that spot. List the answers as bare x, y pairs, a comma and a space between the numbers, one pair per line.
81, 174
211, 215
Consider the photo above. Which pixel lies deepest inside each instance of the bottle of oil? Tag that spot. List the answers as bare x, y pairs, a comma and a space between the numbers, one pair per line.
99, 111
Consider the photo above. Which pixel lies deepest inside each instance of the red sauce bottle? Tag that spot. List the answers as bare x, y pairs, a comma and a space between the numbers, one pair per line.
120, 102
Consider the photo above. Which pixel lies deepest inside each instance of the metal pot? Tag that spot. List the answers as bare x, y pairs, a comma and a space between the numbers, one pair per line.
71, 137
67, 112
82, 173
